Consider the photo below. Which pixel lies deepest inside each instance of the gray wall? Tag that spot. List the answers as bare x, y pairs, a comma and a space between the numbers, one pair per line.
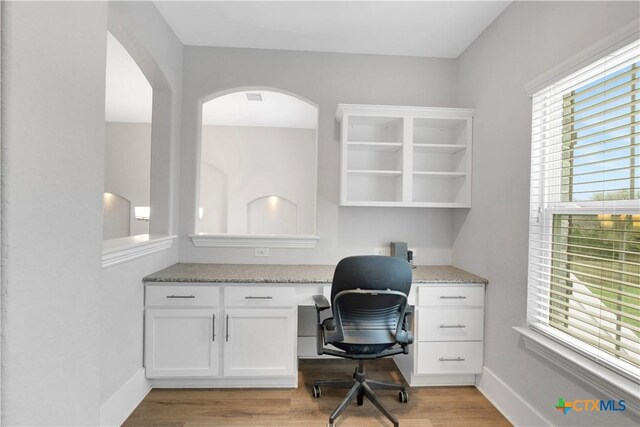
527, 40
72, 331
52, 145
325, 79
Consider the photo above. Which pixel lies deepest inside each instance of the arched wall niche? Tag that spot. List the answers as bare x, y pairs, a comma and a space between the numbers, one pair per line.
272, 215
270, 161
116, 214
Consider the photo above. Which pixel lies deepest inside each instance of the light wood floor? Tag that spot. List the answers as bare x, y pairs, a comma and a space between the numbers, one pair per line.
428, 406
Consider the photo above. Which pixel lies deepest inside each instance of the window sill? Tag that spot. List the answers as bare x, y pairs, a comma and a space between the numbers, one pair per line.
252, 241
611, 384
117, 251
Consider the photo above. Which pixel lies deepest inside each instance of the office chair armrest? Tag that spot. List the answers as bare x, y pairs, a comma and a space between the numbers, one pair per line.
321, 302
403, 334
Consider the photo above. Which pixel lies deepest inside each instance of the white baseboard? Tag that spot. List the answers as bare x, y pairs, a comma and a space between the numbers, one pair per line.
508, 402
119, 406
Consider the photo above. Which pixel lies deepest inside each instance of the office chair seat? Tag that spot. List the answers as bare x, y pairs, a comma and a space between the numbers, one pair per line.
369, 321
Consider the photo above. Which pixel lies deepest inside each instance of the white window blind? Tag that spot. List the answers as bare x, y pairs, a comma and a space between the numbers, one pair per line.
584, 223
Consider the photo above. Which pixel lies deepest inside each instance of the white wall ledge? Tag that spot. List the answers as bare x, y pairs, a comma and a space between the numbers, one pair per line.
252, 241
117, 251
611, 384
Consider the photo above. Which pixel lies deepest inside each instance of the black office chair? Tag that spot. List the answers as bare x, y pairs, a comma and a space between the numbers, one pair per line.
369, 295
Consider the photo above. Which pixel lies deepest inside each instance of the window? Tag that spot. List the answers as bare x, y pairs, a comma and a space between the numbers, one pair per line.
584, 228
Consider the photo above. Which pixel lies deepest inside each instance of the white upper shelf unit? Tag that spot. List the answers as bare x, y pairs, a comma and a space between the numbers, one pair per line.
405, 156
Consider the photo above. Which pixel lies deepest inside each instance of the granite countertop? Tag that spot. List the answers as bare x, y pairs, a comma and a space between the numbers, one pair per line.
271, 273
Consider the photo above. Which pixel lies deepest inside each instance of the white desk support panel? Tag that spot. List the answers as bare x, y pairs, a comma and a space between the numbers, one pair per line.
222, 335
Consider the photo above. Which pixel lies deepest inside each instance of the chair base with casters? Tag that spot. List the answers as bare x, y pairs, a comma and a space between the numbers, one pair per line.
359, 388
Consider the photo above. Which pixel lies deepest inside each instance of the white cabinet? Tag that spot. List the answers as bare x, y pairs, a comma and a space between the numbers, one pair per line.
181, 342
182, 336
448, 328
405, 156
260, 331
260, 342
220, 335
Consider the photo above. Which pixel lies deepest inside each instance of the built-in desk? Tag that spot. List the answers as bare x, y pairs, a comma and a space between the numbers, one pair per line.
212, 325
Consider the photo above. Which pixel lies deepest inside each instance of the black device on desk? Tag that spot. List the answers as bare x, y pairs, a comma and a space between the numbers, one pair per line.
400, 250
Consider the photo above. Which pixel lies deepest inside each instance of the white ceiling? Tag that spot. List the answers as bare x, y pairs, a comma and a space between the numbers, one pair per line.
440, 29
128, 94
422, 28
275, 110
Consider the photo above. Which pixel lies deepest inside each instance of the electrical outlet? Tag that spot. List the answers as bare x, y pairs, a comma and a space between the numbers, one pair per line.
261, 252
380, 251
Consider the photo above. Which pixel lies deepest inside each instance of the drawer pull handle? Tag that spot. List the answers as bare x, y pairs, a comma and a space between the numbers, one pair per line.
452, 326
227, 330
457, 359
213, 327
453, 297
181, 296
250, 297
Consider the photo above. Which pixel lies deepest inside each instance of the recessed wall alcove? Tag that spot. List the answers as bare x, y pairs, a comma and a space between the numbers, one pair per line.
116, 213
272, 215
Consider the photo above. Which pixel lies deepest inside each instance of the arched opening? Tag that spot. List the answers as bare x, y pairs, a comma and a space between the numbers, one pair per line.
261, 143
128, 111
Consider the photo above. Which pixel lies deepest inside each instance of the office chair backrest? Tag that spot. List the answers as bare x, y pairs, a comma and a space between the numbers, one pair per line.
371, 272
369, 296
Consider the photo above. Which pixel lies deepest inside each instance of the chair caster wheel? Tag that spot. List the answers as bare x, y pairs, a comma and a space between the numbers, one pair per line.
403, 396
316, 391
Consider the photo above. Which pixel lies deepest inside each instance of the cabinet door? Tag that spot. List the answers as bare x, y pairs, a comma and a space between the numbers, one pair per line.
181, 343
260, 342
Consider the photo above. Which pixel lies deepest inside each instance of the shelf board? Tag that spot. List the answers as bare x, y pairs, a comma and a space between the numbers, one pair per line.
378, 203
438, 148
439, 204
439, 174
374, 173
374, 146
372, 203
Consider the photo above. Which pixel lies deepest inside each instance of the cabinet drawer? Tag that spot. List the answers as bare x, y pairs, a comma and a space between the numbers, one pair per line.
449, 358
259, 296
182, 296
450, 324
451, 296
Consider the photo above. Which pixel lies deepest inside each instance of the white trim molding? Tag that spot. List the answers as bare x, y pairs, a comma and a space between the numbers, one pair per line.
122, 403
252, 241
397, 110
606, 45
513, 406
117, 251
608, 382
